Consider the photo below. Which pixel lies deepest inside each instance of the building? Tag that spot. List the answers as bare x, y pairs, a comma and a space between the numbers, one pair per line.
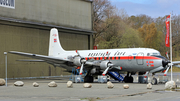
25, 26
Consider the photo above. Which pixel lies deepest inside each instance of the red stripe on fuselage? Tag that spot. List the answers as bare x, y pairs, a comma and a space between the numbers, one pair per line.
131, 57
146, 57
151, 57
125, 58
117, 58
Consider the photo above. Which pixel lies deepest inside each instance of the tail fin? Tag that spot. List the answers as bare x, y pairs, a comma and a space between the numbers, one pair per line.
54, 43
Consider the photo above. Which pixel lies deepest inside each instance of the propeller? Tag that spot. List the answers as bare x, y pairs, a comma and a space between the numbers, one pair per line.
109, 65
81, 70
78, 53
104, 73
168, 64
83, 61
167, 55
146, 74
165, 73
108, 56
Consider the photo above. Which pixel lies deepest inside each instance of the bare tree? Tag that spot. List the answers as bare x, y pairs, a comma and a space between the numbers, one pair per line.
102, 10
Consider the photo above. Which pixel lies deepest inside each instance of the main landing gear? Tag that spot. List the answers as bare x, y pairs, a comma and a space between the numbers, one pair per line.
88, 78
128, 79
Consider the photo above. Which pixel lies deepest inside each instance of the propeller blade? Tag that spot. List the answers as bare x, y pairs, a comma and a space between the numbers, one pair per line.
78, 53
81, 70
108, 56
177, 66
165, 73
104, 73
83, 61
146, 74
167, 55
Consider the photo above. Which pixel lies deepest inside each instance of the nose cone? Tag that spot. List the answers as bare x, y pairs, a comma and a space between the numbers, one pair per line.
165, 62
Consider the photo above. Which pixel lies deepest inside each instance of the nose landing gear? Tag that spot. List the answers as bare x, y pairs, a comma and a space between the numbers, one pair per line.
154, 81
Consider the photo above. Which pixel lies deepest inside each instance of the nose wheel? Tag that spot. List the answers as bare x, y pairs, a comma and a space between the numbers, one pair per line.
154, 81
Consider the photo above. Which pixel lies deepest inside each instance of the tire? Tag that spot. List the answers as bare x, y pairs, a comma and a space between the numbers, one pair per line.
88, 79
131, 79
91, 79
126, 79
154, 81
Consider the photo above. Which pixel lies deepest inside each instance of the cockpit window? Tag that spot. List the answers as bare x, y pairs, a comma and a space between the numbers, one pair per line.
154, 54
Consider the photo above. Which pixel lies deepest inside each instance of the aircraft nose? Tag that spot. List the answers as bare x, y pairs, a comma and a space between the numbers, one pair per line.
165, 62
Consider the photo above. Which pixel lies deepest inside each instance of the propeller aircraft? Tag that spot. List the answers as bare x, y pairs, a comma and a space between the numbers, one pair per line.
98, 62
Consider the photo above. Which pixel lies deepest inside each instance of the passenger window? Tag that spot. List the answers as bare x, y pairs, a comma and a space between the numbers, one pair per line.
148, 54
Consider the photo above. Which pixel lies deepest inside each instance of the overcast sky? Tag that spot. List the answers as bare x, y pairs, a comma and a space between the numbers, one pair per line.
153, 8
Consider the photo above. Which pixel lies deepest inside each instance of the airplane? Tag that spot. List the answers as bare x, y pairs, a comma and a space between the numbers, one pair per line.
96, 62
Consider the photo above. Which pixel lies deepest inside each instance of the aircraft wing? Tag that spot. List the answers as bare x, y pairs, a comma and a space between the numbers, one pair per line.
41, 58
28, 60
57, 60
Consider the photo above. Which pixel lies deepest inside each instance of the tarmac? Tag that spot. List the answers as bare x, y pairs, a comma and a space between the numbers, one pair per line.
98, 91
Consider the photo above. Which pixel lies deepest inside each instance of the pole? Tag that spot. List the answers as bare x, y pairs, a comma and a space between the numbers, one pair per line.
5, 53
171, 47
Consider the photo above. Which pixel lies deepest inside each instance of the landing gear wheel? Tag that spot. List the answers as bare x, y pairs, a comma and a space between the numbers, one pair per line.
128, 79
88, 79
154, 81
131, 79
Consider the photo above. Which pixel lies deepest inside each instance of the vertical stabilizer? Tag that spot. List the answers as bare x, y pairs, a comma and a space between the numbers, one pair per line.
55, 48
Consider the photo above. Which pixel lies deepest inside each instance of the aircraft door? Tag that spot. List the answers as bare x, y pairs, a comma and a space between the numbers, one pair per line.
140, 58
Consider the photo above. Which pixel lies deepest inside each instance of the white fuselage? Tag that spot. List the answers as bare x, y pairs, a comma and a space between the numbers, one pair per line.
129, 59
102, 60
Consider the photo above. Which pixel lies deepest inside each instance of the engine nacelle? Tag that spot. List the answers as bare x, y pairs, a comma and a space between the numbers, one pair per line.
104, 64
77, 61
157, 69
93, 71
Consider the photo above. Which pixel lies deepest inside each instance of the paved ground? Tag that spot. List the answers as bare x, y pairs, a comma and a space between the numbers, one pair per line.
99, 91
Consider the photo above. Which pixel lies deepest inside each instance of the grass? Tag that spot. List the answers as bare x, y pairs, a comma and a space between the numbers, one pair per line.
174, 69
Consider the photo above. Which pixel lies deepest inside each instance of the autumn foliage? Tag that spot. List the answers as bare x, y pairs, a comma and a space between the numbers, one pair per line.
115, 29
